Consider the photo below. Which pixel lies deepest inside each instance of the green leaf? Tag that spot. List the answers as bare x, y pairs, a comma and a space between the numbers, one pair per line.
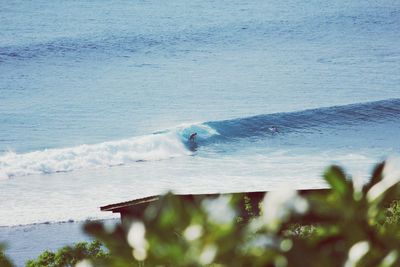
377, 176
336, 178
4, 261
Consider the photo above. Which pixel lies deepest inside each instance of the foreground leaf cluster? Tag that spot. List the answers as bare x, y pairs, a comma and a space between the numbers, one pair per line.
348, 225
70, 255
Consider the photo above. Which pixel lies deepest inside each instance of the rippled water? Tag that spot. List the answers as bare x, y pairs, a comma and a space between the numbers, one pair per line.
98, 99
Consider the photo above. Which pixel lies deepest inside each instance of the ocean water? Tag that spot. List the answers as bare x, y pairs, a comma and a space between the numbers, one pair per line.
98, 99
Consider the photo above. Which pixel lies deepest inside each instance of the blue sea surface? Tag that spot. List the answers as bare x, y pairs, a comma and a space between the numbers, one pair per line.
98, 98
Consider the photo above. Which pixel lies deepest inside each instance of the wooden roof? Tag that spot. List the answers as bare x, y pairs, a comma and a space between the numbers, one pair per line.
118, 207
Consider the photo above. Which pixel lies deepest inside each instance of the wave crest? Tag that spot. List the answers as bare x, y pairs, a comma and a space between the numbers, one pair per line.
107, 154
173, 142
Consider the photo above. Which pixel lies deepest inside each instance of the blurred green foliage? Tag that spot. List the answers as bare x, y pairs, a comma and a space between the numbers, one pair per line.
4, 261
350, 225
70, 256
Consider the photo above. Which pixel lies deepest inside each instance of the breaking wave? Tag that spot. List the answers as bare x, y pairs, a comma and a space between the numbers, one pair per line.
174, 142
158, 146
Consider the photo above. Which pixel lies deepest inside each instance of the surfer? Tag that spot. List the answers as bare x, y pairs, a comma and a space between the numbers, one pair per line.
273, 129
192, 137
192, 142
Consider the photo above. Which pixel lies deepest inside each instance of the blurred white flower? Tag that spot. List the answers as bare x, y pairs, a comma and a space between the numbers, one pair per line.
356, 252
286, 245
261, 242
391, 176
256, 224
358, 185
193, 232
208, 254
84, 263
139, 254
277, 206
219, 210
136, 239
390, 258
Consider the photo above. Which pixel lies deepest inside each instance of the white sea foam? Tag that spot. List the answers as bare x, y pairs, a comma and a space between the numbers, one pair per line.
113, 153
3, 175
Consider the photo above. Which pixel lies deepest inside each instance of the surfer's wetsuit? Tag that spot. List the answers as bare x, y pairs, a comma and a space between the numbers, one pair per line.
192, 142
192, 137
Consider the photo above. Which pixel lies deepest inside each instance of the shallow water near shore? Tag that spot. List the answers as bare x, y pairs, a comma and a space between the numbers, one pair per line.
27, 242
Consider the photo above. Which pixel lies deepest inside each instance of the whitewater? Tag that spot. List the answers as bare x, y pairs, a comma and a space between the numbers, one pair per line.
171, 143
153, 147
